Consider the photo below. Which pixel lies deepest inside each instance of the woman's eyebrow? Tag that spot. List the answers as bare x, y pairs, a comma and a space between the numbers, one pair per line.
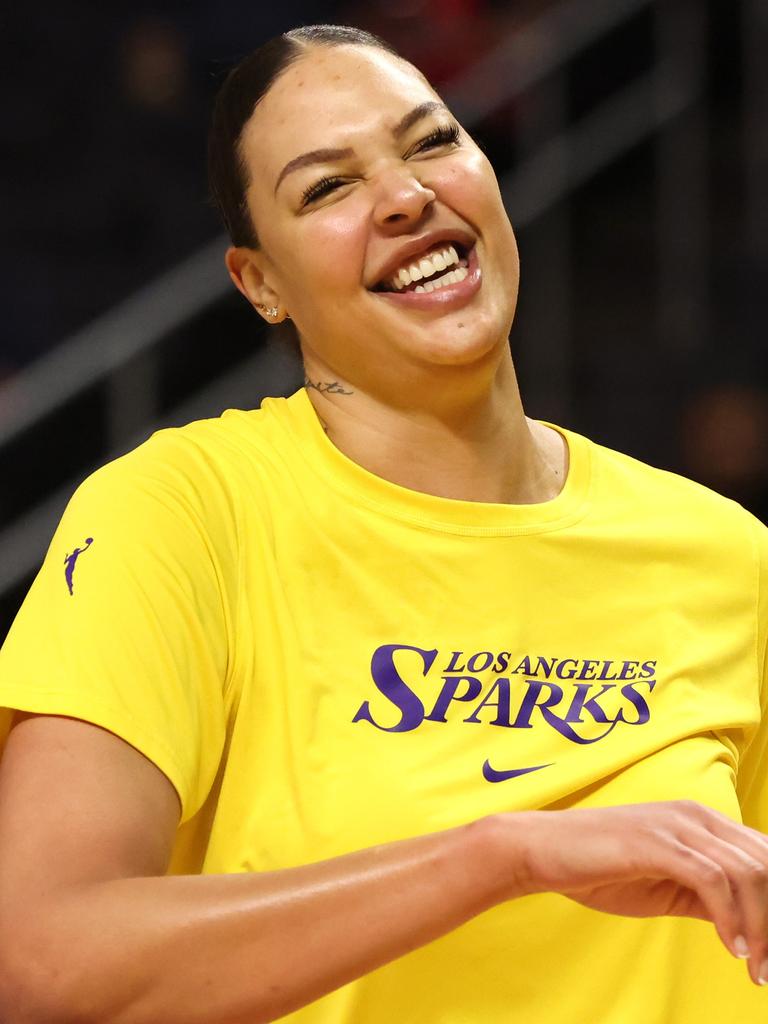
321, 156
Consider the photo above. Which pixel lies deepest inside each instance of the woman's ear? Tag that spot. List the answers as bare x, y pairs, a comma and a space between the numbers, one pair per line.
248, 277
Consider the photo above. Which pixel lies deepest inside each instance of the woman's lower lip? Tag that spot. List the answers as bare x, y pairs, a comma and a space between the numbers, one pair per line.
450, 296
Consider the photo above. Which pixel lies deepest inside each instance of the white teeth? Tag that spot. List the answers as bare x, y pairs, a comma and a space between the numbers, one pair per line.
452, 277
425, 267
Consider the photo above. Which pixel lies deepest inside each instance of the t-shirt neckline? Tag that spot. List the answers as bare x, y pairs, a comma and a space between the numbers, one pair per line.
430, 511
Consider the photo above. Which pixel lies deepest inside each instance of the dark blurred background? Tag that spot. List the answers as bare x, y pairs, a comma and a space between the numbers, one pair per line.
630, 140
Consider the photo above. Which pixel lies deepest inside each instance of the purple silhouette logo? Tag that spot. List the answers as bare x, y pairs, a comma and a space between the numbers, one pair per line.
69, 563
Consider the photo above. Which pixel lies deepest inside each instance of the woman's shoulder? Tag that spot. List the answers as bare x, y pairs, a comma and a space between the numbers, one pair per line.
201, 457
644, 500
658, 486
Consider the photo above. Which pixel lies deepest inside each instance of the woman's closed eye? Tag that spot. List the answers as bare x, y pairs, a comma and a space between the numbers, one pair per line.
445, 135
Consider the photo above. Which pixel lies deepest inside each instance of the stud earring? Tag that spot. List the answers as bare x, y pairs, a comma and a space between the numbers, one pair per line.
272, 311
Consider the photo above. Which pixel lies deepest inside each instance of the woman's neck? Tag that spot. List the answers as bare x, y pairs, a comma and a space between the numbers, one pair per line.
483, 449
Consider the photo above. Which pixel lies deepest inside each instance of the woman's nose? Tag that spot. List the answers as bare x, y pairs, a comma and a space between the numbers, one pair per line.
402, 197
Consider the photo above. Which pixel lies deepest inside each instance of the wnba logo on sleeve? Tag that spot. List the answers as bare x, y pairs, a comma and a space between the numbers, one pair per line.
583, 699
69, 564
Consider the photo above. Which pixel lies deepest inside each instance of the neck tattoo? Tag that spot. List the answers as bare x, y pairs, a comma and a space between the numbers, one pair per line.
332, 387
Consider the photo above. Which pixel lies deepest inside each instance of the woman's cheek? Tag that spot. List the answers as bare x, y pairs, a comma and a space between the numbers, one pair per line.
467, 184
339, 238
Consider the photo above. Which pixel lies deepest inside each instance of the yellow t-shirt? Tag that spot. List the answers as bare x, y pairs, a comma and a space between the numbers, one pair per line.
321, 660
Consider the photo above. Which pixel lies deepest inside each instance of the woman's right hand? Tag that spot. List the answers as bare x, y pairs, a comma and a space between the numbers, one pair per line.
676, 858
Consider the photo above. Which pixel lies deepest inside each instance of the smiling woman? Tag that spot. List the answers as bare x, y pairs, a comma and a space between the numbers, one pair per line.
350, 691
368, 181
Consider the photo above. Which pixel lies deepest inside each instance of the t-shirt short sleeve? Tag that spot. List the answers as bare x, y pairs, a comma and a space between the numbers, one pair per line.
125, 625
753, 767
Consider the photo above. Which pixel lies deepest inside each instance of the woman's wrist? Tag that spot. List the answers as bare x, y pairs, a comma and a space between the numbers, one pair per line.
497, 852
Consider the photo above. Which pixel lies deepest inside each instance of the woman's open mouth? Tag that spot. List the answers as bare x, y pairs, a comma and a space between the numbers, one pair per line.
442, 290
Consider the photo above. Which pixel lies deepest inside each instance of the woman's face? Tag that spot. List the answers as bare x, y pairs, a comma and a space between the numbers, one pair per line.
321, 257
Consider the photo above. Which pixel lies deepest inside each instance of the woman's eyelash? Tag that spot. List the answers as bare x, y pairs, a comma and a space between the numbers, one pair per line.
440, 136
446, 133
317, 189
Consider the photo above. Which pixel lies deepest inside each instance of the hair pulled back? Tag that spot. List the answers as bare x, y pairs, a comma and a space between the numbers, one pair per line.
244, 86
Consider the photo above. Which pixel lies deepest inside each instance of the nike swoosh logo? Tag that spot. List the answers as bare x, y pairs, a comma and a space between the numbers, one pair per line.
492, 775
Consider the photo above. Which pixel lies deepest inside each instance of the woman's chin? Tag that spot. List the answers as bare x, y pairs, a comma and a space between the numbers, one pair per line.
461, 343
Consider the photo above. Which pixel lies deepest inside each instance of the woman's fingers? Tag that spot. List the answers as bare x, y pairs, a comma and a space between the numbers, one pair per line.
744, 853
732, 831
710, 880
748, 877
666, 857
730, 862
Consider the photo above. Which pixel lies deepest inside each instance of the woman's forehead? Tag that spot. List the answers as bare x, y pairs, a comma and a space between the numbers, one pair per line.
347, 91
345, 67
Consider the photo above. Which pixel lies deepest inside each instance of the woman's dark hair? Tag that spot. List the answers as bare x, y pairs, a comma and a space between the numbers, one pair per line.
242, 89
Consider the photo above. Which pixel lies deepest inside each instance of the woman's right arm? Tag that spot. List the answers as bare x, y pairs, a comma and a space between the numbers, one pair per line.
92, 930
